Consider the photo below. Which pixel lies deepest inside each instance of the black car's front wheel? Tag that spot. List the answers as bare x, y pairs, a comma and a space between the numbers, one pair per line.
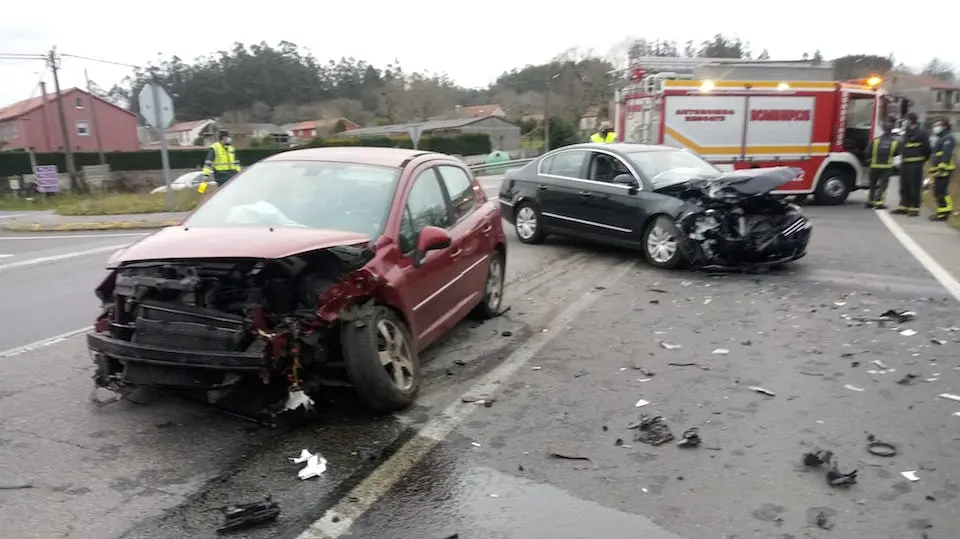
382, 361
661, 243
527, 224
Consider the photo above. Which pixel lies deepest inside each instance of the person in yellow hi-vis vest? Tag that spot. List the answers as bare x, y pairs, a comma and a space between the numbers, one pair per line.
221, 163
606, 135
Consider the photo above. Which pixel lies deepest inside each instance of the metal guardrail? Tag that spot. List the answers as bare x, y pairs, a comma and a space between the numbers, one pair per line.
483, 169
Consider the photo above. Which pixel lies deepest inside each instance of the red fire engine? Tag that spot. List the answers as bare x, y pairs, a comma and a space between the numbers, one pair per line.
821, 127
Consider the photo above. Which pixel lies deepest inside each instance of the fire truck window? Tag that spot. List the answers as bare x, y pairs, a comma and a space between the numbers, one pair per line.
568, 164
860, 112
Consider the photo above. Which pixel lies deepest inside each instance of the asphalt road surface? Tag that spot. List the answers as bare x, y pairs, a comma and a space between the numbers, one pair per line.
591, 331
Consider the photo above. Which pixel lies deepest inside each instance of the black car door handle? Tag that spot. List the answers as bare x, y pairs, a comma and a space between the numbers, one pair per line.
586, 194
542, 187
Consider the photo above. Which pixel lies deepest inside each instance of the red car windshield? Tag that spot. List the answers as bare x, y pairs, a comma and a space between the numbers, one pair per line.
306, 194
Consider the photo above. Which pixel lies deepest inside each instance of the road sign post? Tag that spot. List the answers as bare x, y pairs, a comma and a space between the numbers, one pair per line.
156, 107
414, 131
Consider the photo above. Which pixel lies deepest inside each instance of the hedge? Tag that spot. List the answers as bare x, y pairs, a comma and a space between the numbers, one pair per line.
18, 162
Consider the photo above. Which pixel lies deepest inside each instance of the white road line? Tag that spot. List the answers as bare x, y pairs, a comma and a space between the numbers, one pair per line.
47, 236
5, 256
939, 273
43, 342
11, 215
57, 258
339, 518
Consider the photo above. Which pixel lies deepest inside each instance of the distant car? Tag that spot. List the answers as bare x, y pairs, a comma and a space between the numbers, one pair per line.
311, 266
675, 206
185, 181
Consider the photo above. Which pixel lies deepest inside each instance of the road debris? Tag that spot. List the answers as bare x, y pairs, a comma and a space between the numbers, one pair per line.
667, 346
910, 475
880, 364
721, 351
817, 458
908, 333
657, 290
899, 317
536, 368
949, 396
812, 373
580, 373
881, 449
315, 464
836, 478
651, 430
486, 402
245, 515
15, 486
691, 438
767, 392
702, 367
907, 379
941, 342
475, 444
567, 455
641, 403
853, 387
823, 522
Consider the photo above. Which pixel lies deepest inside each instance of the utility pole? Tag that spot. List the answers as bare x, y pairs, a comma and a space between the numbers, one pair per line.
53, 62
93, 117
43, 113
546, 113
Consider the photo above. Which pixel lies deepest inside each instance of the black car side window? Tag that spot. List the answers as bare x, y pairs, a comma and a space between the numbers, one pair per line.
426, 206
568, 164
605, 167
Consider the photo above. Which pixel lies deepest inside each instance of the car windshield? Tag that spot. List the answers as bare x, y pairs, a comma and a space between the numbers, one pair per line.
668, 167
304, 194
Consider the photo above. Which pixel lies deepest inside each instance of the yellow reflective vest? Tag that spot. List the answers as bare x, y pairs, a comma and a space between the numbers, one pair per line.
222, 158
598, 138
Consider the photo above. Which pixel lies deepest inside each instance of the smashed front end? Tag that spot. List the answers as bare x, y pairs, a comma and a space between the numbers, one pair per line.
218, 324
733, 221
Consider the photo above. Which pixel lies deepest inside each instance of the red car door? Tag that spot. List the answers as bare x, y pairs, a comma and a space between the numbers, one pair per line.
429, 283
470, 234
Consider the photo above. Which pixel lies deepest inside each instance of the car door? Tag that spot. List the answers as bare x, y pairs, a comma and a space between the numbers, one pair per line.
615, 210
427, 277
470, 233
559, 185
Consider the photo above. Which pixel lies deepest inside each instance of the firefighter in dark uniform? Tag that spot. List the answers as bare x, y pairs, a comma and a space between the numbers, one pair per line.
221, 163
916, 151
942, 168
880, 154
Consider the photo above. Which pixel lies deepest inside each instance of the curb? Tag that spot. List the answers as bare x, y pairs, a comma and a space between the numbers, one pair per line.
23, 226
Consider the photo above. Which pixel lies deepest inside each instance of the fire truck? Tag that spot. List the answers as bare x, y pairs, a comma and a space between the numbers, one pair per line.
819, 126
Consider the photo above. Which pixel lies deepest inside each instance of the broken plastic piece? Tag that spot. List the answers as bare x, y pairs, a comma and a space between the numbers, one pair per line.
853, 387
881, 449
880, 364
652, 430
567, 455
907, 380
898, 316
304, 456
244, 515
908, 333
950, 396
721, 351
836, 478
767, 392
911, 475
817, 458
691, 438
315, 467
938, 341
668, 346
641, 403
296, 399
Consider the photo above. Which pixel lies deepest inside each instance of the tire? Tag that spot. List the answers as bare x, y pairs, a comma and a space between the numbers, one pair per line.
493, 287
370, 376
834, 188
527, 224
657, 239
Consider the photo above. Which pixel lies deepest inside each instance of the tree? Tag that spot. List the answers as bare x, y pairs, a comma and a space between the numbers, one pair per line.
858, 66
939, 69
562, 132
817, 57
764, 55
724, 47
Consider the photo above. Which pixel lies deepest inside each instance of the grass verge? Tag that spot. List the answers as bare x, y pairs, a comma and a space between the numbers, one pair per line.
106, 204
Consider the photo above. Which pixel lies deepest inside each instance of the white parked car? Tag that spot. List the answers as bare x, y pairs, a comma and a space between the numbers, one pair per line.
186, 181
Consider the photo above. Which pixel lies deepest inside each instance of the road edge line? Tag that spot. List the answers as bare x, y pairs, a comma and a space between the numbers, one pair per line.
939, 273
16, 351
338, 519
57, 258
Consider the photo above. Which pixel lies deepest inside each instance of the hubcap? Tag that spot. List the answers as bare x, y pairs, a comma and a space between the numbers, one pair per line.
396, 356
526, 222
493, 293
661, 245
834, 187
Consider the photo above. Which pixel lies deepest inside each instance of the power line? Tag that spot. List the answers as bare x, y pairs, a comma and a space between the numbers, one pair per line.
98, 60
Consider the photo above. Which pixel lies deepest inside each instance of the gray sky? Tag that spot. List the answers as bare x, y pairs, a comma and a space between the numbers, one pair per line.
423, 35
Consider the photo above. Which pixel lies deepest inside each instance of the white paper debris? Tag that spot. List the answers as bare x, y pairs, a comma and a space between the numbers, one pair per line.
643, 379
950, 396
880, 364
641, 403
910, 475
474, 444
908, 333
721, 351
537, 368
296, 399
839, 303
494, 495
304, 455
315, 467
853, 388
759, 389
956, 414
669, 346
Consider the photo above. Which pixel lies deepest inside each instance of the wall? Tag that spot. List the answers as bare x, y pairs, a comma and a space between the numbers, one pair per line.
136, 180
118, 128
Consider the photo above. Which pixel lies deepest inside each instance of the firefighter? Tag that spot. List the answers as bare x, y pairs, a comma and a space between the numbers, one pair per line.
881, 152
221, 162
606, 135
942, 168
916, 151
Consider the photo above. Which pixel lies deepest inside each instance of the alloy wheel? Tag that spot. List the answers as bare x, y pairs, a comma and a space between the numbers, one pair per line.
493, 292
526, 222
661, 245
396, 356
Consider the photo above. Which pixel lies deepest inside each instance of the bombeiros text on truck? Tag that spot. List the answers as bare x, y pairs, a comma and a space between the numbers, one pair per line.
819, 126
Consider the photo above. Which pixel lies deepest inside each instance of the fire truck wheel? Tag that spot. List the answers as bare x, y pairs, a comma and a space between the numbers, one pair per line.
835, 187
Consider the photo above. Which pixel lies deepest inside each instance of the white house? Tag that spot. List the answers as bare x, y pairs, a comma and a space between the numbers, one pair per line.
185, 133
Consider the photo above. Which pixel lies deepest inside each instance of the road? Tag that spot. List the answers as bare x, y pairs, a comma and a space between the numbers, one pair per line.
582, 343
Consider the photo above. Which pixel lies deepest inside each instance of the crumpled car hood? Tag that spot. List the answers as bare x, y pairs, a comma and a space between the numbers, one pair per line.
233, 242
738, 184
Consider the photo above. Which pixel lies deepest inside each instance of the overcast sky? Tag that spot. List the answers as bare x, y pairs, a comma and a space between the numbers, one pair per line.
473, 42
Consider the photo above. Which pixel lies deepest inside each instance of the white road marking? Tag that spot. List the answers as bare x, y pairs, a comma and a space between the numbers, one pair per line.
339, 518
43, 342
939, 273
57, 258
5, 256
47, 236
11, 215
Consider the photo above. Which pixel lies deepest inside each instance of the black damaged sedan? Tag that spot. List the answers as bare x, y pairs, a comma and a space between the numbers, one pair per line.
675, 206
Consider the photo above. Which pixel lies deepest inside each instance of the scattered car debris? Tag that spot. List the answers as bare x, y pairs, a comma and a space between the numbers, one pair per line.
245, 515
506, 334
667, 346
910, 475
880, 364
812, 373
641, 403
907, 379
691, 438
908, 333
651, 430
881, 449
839, 303
823, 522
721, 351
941, 342
315, 464
537, 368
817, 458
836, 478
475, 444
899, 317
657, 290
949, 396
747, 343
580, 373
567, 455
483, 401
702, 367
852, 387
15, 486
851, 354
767, 392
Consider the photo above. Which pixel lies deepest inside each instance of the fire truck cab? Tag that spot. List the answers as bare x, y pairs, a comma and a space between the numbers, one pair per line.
820, 127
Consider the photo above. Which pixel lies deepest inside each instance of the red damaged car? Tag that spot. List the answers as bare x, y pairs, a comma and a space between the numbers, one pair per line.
312, 267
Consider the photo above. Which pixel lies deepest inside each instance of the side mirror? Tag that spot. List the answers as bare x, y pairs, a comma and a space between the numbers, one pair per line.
432, 238
626, 179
